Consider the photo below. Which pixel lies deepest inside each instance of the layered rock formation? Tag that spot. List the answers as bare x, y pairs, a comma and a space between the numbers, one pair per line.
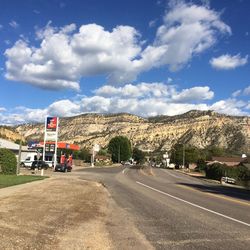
198, 128
11, 134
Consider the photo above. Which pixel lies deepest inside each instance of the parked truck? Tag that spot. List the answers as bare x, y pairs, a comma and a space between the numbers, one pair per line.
32, 156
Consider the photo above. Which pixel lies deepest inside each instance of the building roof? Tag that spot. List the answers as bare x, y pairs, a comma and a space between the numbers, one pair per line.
229, 161
60, 145
10, 145
102, 157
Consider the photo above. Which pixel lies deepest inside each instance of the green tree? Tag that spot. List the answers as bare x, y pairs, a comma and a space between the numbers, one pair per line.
82, 154
120, 149
138, 155
103, 152
8, 162
191, 154
213, 151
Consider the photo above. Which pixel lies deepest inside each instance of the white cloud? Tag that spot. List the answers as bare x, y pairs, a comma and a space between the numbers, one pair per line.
152, 23
236, 93
226, 62
91, 51
2, 109
143, 107
144, 99
65, 54
137, 91
246, 91
63, 108
22, 115
14, 24
7, 42
96, 104
169, 80
230, 107
36, 12
194, 94
188, 30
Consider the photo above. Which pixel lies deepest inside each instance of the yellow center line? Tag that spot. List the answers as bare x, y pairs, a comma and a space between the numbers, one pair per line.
221, 196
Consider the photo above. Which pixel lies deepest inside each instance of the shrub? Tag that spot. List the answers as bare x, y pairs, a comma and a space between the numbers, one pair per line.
82, 154
215, 171
243, 173
201, 165
138, 155
8, 162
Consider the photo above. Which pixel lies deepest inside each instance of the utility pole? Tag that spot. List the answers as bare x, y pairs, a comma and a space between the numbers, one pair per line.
119, 153
19, 158
93, 158
183, 155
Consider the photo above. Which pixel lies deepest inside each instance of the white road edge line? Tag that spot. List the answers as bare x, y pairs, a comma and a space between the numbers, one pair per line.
193, 204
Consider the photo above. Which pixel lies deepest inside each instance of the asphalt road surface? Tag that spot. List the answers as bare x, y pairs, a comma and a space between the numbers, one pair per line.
175, 211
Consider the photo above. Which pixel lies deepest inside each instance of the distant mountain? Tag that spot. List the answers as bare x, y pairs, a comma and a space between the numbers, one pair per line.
198, 128
10, 134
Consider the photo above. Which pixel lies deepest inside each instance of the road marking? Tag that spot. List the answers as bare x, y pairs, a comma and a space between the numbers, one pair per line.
194, 205
222, 196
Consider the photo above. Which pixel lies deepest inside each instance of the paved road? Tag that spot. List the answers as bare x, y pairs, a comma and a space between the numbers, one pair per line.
175, 211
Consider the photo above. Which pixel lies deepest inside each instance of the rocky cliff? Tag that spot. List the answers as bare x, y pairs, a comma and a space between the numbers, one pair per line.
198, 128
10, 133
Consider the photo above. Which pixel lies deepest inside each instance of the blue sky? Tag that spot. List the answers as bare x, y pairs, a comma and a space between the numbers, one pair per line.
147, 58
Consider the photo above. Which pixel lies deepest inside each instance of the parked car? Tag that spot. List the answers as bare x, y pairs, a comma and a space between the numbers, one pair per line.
128, 163
159, 165
63, 168
171, 166
39, 165
30, 158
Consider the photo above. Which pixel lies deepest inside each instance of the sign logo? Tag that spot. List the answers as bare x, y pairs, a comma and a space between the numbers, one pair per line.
51, 124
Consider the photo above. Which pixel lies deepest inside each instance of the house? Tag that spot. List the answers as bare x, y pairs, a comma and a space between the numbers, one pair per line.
14, 148
246, 162
229, 161
103, 159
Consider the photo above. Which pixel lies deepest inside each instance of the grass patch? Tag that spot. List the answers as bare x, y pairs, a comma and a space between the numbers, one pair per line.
11, 180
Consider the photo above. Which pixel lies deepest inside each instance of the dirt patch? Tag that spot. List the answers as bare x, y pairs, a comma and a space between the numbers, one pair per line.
61, 213
147, 170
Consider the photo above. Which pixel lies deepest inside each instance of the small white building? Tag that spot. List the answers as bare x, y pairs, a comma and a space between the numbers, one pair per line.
14, 148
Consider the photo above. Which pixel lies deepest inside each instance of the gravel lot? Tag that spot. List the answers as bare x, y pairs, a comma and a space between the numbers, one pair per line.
57, 213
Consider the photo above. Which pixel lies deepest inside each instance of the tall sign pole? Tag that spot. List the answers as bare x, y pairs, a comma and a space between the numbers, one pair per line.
44, 140
55, 155
50, 137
